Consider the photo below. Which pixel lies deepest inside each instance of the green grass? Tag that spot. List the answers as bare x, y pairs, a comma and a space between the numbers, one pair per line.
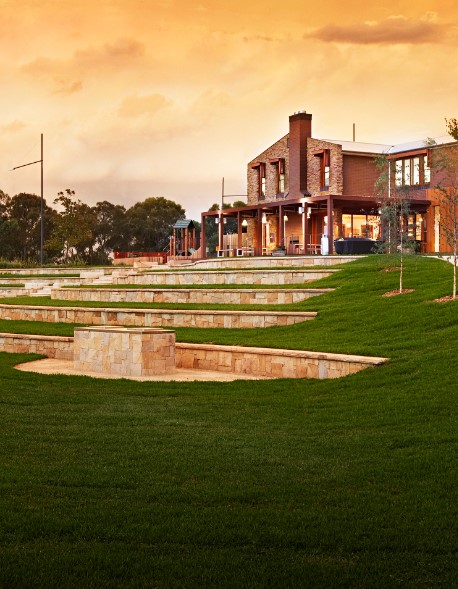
15, 285
35, 275
347, 483
48, 301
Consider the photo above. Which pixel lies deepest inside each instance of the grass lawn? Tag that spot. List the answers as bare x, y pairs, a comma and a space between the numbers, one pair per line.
347, 483
48, 301
35, 275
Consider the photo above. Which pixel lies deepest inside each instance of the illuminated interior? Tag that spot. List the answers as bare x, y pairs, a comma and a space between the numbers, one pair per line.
361, 226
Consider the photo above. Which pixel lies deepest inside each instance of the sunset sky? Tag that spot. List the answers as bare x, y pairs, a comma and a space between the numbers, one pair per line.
140, 98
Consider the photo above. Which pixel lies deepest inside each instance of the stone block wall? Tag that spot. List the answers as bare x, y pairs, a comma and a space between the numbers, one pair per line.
283, 276
261, 362
270, 363
314, 166
123, 351
213, 296
57, 347
154, 317
277, 150
281, 262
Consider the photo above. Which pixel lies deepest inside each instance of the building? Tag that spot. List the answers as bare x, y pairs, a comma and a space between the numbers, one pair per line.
304, 193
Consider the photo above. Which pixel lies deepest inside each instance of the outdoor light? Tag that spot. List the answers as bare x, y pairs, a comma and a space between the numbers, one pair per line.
244, 223
285, 218
309, 212
300, 210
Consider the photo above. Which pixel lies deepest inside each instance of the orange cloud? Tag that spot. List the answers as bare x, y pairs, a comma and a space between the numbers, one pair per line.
13, 127
392, 30
66, 87
117, 55
136, 106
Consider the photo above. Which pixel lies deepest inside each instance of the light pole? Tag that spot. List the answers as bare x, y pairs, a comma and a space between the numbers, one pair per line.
40, 161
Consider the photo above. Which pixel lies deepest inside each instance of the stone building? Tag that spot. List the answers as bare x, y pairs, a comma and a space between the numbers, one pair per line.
304, 193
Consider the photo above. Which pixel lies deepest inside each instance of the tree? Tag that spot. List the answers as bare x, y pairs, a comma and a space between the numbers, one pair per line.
444, 162
109, 230
150, 223
25, 211
8, 228
394, 214
72, 234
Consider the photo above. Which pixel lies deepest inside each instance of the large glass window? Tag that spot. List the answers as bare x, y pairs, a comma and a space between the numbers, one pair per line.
360, 226
412, 171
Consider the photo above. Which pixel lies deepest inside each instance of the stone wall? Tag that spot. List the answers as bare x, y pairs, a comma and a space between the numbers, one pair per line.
261, 362
277, 150
57, 347
213, 296
226, 277
275, 262
124, 351
154, 317
270, 363
314, 167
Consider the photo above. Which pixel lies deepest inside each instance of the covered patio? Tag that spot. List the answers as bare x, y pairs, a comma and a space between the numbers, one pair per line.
301, 226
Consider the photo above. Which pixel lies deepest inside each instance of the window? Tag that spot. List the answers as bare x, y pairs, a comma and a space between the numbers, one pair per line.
325, 170
261, 170
412, 171
279, 163
262, 181
281, 176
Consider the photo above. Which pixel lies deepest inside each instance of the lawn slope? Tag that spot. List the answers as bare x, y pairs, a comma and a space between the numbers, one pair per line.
285, 483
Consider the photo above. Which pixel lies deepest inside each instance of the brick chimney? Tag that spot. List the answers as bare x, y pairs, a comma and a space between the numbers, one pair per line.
300, 129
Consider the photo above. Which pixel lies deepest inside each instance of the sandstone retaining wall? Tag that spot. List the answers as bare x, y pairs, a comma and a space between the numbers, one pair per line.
183, 277
51, 346
276, 261
262, 362
153, 317
234, 296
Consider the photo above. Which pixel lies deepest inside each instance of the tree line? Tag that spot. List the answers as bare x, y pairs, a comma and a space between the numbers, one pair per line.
77, 232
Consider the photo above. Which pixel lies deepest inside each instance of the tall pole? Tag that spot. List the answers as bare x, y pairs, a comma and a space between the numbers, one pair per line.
42, 232
40, 161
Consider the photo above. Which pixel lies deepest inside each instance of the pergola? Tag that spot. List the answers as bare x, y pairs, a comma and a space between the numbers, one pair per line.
309, 213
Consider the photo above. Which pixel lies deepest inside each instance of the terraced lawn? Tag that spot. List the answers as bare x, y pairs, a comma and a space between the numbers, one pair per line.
287, 483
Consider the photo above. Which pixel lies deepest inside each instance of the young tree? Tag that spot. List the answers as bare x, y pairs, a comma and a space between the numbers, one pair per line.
394, 214
444, 162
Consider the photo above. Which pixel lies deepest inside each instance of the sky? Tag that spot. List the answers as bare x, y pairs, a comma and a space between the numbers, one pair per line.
144, 98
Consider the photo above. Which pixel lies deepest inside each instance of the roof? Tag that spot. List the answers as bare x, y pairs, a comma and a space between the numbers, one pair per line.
184, 224
360, 147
